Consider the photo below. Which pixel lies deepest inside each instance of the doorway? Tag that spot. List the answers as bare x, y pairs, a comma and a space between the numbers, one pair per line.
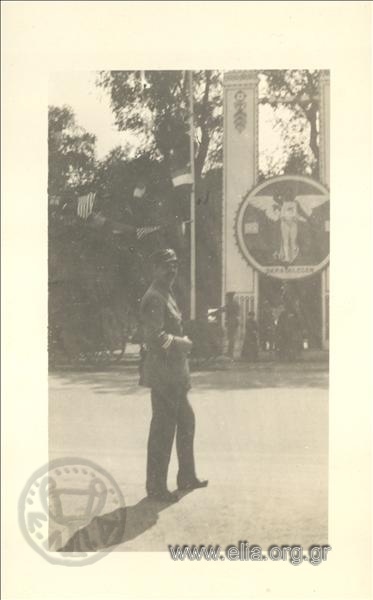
303, 295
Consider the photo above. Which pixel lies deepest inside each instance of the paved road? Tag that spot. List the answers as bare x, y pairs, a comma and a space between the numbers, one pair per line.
261, 440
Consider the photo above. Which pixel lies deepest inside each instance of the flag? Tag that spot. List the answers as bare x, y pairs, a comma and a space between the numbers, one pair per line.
182, 176
85, 205
141, 232
183, 225
139, 192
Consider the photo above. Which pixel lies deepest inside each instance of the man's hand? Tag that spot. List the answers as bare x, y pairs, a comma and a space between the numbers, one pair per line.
185, 344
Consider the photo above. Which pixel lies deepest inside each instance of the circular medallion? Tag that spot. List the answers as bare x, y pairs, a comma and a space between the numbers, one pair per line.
72, 512
282, 227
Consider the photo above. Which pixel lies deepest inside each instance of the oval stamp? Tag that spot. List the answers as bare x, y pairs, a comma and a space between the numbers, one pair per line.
72, 512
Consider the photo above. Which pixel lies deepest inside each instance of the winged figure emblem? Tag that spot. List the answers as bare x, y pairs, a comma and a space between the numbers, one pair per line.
288, 212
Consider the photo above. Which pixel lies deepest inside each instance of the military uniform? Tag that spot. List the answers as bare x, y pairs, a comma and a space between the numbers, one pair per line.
166, 372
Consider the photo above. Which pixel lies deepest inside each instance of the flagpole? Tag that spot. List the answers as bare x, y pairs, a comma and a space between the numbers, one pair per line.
192, 205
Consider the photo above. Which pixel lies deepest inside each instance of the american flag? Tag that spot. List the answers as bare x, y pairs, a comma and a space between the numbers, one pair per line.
85, 205
141, 232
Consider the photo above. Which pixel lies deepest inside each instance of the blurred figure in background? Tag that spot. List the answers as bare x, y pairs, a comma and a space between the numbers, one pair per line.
288, 335
251, 342
232, 320
267, 327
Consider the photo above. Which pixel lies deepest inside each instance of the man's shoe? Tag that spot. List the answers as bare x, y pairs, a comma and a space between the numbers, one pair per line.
193, 485
166, 496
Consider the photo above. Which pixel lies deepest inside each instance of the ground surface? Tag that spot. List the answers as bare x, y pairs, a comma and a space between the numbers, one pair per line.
261, 440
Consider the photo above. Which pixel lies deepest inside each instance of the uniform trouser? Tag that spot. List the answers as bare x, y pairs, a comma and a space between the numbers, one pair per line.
171, 413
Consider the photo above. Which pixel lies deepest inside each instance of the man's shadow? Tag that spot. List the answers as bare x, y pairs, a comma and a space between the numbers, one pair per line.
117, 527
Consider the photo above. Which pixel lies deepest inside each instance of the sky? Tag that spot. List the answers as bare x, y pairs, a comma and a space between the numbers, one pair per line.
91, 106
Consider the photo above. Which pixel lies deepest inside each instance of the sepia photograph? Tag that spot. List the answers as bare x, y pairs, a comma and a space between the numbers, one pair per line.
187, 294
188, 220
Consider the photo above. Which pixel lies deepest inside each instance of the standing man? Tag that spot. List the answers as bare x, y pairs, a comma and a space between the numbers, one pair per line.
166, 372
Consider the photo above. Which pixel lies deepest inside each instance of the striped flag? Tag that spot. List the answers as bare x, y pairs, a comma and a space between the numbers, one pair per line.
182, 176
141, 232
85, 205
182, 225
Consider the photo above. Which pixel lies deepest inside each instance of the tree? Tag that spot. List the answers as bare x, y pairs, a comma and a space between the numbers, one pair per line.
155, 106
71, 152
117, 175
293, 96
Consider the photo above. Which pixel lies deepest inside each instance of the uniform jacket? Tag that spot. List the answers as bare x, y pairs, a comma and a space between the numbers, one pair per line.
165, 364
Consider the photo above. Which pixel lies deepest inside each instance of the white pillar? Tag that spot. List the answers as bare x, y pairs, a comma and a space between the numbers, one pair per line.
240, 176
324, 169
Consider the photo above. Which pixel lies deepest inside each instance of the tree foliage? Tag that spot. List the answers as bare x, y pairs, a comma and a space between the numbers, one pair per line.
71, 152
155, 106
293, 97
117, 175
